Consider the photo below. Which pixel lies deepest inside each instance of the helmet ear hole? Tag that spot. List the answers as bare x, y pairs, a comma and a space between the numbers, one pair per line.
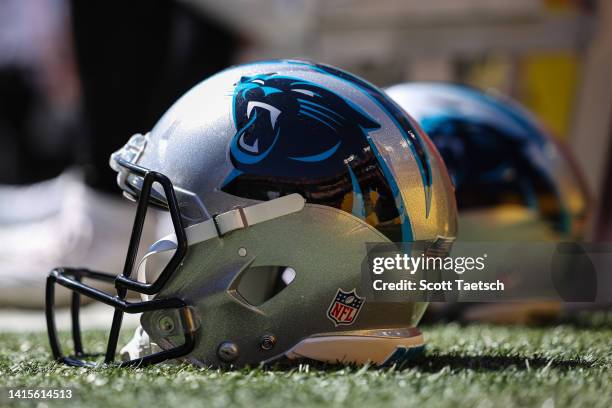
258, 284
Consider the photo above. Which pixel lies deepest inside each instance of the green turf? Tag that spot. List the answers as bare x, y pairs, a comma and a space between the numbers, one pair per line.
477, 365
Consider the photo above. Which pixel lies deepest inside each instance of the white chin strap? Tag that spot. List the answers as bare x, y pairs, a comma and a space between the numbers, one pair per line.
160, 252
242, 217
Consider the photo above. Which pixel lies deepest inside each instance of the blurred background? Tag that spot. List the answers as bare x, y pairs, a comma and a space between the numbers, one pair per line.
78, 78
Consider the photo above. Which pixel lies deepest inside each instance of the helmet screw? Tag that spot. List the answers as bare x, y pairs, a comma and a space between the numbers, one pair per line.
166, 324
242, 251
267, 342
227, 351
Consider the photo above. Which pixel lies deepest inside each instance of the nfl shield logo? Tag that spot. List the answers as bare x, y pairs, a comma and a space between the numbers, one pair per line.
345, 307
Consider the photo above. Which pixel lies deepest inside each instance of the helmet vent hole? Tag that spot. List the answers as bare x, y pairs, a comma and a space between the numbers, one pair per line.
259, 284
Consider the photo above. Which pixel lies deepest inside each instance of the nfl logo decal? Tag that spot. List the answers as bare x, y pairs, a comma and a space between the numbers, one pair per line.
345, 307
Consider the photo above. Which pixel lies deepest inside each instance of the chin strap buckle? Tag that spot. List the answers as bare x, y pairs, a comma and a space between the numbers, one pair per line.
230, 221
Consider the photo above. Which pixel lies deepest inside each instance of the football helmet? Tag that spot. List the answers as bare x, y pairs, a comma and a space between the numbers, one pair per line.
276, 175
513, 181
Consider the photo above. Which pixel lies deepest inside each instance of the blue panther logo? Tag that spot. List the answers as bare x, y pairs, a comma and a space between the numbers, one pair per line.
294, 128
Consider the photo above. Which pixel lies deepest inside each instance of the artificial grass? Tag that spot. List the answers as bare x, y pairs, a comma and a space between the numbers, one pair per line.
474, 365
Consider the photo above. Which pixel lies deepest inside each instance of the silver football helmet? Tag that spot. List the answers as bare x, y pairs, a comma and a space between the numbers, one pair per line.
276, 175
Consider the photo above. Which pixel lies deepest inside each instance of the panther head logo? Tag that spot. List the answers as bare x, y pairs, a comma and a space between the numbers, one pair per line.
289, 126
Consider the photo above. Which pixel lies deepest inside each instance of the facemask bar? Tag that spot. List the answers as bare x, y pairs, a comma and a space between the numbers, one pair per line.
71, 278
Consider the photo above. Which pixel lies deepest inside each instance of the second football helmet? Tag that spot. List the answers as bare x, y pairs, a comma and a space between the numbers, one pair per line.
276, 175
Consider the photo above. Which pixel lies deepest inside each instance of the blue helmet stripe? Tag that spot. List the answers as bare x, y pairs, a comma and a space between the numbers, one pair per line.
358, 202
